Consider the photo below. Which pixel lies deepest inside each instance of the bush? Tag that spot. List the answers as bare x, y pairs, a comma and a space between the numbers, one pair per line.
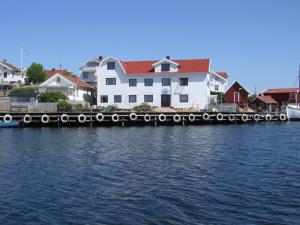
109, 108
220, 96
64, 106
78, 107
52, 97
23, 91
142, 107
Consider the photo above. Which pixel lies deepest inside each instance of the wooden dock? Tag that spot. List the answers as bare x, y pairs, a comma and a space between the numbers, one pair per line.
136, 118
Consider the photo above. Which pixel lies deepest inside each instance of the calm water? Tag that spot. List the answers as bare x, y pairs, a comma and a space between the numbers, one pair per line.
243, 174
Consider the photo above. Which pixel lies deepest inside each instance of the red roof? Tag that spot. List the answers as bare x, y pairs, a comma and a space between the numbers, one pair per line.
223, 74
74, 79
267, 99
280, 91
185, 66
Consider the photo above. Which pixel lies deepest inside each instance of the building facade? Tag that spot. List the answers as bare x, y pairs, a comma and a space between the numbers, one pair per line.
236, 93
218, 82
160, 83
9, 74
283, 95
87, 71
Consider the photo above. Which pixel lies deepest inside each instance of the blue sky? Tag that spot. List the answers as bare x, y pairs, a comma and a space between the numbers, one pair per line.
257, 41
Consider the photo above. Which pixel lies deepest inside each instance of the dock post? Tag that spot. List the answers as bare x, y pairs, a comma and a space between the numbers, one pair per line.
91, 118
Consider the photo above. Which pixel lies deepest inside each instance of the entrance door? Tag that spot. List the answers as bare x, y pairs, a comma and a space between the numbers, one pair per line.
236, 97
165, 100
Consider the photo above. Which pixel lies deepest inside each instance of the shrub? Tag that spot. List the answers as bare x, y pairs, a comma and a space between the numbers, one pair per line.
64, 106
52, 97
142, 107
23, 91
220, 96
109, 108
78, 107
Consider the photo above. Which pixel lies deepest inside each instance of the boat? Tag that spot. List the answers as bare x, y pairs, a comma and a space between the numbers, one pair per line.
293, 110
9, 124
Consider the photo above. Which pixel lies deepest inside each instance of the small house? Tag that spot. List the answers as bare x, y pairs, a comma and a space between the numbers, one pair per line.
265, 103
10, 74
283, 95
236, 93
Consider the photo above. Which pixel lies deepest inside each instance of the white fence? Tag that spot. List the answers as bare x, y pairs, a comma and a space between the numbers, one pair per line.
33, 107
224, 107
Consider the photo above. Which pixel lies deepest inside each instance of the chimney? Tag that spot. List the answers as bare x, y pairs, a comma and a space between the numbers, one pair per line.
168, 57
53, 69
100, 58
4, 60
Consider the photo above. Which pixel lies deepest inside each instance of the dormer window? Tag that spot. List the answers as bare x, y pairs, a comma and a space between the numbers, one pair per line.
111, 65
165, 67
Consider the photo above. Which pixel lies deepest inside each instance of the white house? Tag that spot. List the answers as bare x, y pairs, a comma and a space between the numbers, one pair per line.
72, 86
218, 81
162, 83
9, 74
88, 69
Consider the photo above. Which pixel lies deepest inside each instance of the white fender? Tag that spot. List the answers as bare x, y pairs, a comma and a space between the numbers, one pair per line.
192, 117
162, 117
115, 117
64, 118
231, 117
99, 117
220, 116
133, 116
81, 118
268, 117
27, 119
147, 117
45, 119
244, 117
282, 117
205, 116
7, 118
176, 118
256, 117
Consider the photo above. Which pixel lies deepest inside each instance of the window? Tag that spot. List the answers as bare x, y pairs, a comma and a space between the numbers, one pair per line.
132, 98
85, 75
216, 87
165, 67
166, 82
132, 82
92, 64
148, 82
110, 81
23, 99
5, 74
111, 65
148, 98
184, 81
183, 98
104, 98
292, 97
117, 98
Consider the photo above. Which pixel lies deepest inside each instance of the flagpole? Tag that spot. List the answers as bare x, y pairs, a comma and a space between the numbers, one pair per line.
21, 62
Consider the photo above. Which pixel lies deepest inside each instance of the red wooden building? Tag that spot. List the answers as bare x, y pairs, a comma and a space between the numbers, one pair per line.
283, 95
236, 93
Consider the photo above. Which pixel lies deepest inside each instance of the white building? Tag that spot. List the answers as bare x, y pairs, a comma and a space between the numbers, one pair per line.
88, 69
161, 83
73, 87
9, 74
218, 82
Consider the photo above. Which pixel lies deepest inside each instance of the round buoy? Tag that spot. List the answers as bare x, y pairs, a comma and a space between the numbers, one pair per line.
282, 117
133, 116
231, 117
7, 118
99, 117
162, 117
81, 118
115, 117
244, 117
147, 117
176, 118
27, 118
268, 117
192, 117
205, 116
256, 117
220, 116
45, 119
64, 118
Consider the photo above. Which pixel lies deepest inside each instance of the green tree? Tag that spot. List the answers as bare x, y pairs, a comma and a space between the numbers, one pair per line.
35, 74
52, 97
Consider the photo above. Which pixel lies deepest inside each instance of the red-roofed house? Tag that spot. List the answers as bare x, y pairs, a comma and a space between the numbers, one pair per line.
236, 93
219, 81
265, 103
72, 86
283, 95
162, 83
10, 74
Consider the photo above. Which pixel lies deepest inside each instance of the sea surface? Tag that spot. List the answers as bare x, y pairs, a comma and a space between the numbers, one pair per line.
222, 174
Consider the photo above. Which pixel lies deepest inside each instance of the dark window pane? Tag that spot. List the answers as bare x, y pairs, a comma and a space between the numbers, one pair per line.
166, 81
148, 98
111, 65
110, 81
117, 98
85, 75
5, 74
165, 67
132, 82
184, 98
132, 98
92, 64
148, 82
104, 99
184, 81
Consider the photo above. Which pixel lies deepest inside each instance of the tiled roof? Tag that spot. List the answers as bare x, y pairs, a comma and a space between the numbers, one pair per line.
74, 79
267, 99
280, 91
12, 67
223, 74
185, 66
